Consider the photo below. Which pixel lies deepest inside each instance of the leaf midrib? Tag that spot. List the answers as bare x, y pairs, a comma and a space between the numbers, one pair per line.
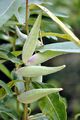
53, 108
7, 8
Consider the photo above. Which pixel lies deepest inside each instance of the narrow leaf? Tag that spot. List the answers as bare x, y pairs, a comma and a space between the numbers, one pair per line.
60, 23
63, 36
9, 114
66, 47
5, 70
7, 89
35, 71
5, 54
3, 93
30, 44
38, 116
35, 94
20, 34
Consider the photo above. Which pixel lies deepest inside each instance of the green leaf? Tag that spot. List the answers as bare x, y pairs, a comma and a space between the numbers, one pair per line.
63, 36
60, 23
30, 44
52, 105
38, 116
3, 93
2, 61
65, 47
8, 9
5, 54
9, 114
35, 71
5, 70
7, 89
77, 116
20, 34
37, 79
36, 94
16, 53
41, 57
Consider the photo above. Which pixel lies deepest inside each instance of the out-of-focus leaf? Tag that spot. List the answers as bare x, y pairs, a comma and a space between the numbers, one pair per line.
9, 56
5, 70
35, 71
65, 47
52, 105
24, 37
4, 110
63, 36
10, 85
36, 94
77, 116
9, 114
8, 9
31, 43
16, 53
2, 61
7, 89
61, 24
20, 34
38, 116
21, 13
20, 85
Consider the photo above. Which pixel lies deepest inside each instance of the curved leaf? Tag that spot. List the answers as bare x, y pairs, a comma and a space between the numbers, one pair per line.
63, 36
5, 54
7, 89
5, 70
41, 57
8, 9
38, 116
66, 47
36, 94
60, 23
34, 71
30, 44
52, 105
3, 93
9, 114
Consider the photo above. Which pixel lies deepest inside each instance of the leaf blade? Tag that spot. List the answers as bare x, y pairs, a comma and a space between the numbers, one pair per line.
60, 23
53, 105
36, 94
8, 10
31, 43
35, 71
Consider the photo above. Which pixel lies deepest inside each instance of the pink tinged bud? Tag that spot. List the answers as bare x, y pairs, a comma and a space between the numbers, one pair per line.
32, 60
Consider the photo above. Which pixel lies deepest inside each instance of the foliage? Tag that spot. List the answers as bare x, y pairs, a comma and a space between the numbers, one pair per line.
27, 53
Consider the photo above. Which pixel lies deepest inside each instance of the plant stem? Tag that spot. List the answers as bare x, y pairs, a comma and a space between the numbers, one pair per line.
25, 116
27, 17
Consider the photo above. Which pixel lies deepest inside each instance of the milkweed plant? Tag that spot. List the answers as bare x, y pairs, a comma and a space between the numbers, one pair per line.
25, 50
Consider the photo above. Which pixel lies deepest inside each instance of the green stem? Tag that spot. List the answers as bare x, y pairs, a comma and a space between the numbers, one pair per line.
25, 116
